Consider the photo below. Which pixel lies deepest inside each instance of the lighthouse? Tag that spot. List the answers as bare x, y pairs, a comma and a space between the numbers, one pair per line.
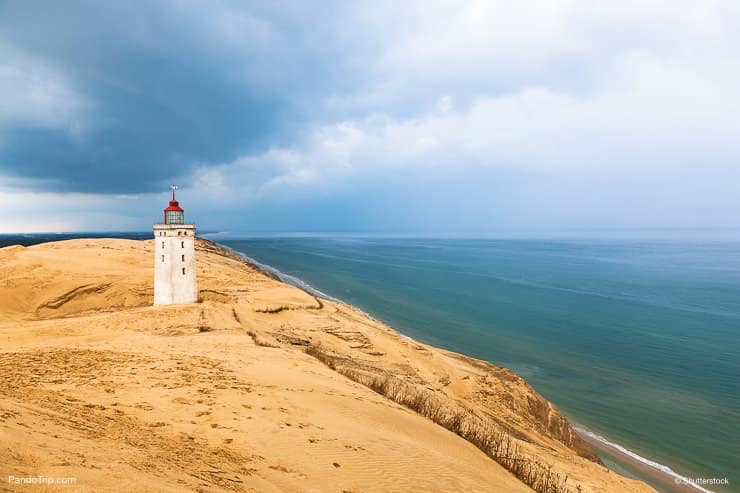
174, 258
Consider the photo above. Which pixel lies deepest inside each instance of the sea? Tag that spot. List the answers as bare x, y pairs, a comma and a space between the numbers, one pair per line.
636, 340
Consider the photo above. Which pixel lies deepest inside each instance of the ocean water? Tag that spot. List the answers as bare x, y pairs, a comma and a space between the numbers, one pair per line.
637, 341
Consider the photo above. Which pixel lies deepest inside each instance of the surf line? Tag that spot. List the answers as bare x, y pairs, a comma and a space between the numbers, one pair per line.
678, 478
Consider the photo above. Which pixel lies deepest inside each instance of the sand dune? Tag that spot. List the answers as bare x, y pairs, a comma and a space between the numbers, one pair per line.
246, 391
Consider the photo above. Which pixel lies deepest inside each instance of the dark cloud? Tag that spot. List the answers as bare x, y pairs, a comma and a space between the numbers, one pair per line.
166, 86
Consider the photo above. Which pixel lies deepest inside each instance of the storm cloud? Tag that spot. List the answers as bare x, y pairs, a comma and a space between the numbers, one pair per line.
116, 97
377, 116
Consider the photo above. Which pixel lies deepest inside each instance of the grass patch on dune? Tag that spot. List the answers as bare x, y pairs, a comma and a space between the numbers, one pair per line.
484, 434
260, 340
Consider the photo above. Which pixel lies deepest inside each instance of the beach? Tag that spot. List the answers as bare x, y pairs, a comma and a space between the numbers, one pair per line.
259, 387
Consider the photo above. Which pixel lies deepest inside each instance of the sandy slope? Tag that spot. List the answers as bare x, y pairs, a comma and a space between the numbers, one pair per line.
221, 395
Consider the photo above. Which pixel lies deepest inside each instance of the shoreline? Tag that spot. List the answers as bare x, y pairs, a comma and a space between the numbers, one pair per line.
301, 284
658, 472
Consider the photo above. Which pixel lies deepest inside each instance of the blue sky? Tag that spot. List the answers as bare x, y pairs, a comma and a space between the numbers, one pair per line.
401, 117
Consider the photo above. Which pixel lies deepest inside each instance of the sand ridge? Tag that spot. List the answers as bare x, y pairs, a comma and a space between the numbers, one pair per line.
222, 395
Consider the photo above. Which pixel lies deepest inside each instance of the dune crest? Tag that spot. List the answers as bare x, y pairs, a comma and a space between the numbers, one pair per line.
259, 387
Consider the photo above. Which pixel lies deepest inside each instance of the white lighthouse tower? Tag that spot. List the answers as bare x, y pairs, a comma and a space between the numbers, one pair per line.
174, 258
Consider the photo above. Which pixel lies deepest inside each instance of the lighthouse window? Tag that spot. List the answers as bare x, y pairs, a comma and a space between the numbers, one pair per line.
162, 258
182, 244
163, 244
174, 217
179, 233
183, 258
183, 271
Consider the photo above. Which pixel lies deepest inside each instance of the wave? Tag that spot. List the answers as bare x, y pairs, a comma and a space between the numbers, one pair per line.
678, 478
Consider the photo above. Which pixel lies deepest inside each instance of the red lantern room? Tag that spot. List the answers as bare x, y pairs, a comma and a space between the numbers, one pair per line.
174, 214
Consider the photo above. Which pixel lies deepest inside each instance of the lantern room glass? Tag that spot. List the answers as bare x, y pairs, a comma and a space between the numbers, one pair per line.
175, 217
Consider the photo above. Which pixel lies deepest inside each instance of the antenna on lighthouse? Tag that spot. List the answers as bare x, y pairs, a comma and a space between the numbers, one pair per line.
173, 187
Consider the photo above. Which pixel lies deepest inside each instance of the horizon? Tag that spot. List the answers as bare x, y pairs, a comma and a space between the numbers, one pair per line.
547, 116
639, 234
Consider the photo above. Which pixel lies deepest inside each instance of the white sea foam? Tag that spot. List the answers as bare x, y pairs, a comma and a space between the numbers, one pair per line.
629, 453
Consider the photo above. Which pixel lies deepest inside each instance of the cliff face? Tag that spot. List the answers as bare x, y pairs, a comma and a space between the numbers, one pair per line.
260, 386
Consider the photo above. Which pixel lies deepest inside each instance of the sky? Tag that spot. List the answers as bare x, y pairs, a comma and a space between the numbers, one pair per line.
430, 117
